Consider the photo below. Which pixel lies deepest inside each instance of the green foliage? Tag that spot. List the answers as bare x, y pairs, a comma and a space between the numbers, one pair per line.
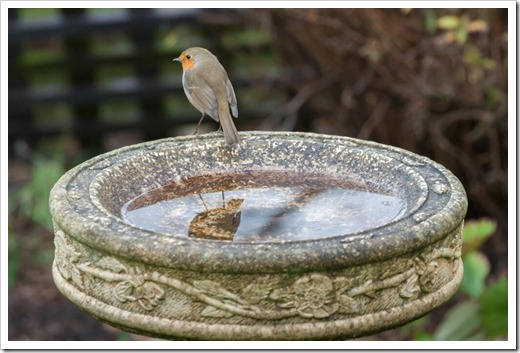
476, 269
494, 96
35, 56
476, 265
13, 256
474, 57
123, 336
33, 198
43, 257
30, 203
476, 232
477, 64
13, 259
37, 14
423, 336
246, 37
430, 20
417, 330
484, 318
483, 314
494, 309
449, 22
461, 323
456, 28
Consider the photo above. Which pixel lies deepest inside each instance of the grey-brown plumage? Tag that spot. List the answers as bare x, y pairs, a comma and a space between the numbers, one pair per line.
208, 89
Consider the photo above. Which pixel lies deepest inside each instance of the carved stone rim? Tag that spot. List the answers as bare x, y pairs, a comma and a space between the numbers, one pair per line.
105, 233
345, 328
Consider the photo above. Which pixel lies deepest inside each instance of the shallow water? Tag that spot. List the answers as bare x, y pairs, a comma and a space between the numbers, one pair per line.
263, 206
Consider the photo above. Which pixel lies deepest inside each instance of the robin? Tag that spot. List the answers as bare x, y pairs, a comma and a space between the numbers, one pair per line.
208, 89
217, 223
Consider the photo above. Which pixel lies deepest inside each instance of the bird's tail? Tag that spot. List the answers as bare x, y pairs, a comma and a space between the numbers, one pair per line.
228, 126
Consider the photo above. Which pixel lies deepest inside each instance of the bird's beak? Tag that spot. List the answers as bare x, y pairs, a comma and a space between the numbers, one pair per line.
176, 59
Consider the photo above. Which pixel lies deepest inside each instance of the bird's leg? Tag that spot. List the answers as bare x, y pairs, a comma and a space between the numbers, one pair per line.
197, 128
206, 207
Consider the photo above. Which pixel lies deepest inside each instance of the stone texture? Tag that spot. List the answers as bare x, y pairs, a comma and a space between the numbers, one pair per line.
171, 286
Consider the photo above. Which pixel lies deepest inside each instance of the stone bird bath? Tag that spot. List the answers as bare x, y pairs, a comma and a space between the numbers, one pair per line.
293, 236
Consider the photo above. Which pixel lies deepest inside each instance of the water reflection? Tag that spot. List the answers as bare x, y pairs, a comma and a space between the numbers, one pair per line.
283, 214
217, 223
253, 209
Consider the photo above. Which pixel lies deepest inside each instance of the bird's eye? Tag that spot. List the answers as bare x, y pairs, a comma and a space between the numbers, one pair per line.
188, 56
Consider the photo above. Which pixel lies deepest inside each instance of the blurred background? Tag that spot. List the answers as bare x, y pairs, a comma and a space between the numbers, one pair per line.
432, 81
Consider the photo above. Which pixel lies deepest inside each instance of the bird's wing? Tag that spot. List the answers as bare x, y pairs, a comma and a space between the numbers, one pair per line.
202, 97
232, 99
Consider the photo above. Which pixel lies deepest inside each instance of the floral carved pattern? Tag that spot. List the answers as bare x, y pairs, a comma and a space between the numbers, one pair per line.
311, 296
67, 258
132, 286
135, 288
314, 296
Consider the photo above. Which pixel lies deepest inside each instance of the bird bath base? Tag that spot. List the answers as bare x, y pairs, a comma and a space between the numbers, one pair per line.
258, 284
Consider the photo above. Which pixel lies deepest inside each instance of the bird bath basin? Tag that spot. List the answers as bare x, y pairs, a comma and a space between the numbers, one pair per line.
284, 236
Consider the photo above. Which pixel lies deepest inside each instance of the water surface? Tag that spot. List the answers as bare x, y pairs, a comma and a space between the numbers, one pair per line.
263, 206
